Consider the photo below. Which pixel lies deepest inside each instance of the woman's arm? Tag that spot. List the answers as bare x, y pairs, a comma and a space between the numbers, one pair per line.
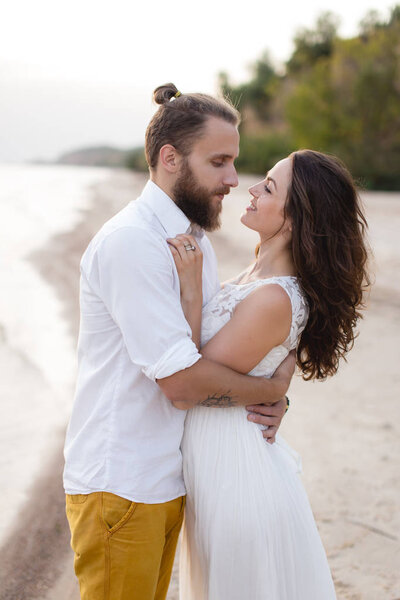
192, 311
261, 321
189, 264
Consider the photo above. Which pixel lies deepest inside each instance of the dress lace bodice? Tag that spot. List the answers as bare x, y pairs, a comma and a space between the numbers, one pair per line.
219, 310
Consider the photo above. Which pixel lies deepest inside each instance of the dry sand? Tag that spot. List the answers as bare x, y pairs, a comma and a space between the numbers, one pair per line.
346, 429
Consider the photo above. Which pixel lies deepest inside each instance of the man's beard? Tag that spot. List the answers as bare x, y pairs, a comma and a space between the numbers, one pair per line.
194, 200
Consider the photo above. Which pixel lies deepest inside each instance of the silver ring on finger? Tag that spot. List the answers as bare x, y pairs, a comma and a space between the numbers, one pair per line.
189, 247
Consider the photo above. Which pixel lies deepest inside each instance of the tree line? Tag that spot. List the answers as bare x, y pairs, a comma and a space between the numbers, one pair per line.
340, 96
335, 95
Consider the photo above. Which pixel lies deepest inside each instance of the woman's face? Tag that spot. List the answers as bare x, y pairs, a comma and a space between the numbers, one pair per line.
265, 212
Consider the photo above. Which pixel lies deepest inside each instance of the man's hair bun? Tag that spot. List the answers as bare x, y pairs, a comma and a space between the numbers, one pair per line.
164, 93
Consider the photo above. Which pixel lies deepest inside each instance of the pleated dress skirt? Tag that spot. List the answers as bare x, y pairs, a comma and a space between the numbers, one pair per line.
249, 532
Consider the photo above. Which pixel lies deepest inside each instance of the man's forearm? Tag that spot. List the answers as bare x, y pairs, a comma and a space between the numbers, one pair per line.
210, 384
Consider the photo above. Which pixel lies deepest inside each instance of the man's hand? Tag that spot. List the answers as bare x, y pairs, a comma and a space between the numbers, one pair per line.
271, 416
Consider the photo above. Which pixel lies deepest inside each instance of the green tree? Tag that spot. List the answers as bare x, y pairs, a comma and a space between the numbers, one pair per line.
310, 45
258, 92
258, 100
136, 160
349, 103
259, 153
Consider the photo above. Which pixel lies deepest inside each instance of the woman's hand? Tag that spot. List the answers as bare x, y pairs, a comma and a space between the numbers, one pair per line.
189, 264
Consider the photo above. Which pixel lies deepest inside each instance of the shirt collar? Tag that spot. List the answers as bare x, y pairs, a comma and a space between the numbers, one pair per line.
170, 216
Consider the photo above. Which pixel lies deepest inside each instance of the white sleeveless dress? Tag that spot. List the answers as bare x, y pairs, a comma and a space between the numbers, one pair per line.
249, 532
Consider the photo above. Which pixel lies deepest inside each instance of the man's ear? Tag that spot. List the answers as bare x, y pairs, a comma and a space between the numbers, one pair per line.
169, 158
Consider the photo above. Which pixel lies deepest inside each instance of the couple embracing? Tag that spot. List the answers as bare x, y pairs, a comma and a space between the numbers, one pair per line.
181, 384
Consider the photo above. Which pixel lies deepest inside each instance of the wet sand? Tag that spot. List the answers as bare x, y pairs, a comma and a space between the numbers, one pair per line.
346, 429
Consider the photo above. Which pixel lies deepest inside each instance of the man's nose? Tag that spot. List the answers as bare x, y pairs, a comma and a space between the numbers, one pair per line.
231, 178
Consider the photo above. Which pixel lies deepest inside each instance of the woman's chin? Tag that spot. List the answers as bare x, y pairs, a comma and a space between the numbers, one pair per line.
245, 220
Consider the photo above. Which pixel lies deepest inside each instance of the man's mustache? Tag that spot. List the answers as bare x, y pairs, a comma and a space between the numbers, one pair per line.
224, 191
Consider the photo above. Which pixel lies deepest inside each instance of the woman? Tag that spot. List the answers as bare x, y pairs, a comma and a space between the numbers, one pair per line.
249, 530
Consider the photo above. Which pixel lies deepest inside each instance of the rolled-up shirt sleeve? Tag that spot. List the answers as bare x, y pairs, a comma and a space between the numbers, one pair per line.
134, 275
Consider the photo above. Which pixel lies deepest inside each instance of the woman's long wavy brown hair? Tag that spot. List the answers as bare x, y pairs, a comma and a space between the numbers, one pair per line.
330, 256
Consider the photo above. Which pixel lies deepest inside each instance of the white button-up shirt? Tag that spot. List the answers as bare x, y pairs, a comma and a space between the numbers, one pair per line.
124, 435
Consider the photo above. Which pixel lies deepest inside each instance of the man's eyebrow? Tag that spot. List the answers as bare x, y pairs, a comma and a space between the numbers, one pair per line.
222, 156
273, 181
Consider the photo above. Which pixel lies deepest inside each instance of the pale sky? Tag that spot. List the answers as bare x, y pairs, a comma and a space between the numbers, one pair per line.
82, 72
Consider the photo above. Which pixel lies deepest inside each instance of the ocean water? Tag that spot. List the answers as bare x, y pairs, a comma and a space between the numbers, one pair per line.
37, 353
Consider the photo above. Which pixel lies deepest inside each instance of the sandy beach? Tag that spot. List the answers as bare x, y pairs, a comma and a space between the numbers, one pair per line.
346, 429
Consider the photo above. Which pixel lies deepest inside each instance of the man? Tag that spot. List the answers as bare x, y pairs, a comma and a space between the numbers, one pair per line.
138, 364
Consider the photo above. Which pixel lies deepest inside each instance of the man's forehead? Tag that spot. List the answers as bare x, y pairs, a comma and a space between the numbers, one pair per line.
221, 140
219, 128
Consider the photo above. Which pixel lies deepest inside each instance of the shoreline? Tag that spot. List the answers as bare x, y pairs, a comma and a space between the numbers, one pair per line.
359, 533
36, 547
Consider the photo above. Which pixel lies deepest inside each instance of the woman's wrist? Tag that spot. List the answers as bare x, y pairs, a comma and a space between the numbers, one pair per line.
192, 299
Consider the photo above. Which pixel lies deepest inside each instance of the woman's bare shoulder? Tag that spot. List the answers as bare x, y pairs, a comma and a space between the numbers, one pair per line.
268, 298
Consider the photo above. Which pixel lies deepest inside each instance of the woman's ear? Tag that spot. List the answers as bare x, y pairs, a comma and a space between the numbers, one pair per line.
287, 227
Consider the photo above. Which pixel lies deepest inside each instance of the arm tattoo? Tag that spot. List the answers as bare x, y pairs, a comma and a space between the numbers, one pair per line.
223, 401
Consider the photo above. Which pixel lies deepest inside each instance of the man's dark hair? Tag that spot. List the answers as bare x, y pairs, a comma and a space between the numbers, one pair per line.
181, 118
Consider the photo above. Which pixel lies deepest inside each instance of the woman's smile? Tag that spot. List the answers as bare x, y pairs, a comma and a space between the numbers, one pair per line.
252, 206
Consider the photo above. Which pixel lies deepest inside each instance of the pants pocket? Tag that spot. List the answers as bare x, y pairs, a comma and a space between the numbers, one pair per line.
76, 498
115, 511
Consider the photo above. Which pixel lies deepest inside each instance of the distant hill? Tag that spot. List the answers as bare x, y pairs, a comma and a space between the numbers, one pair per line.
105, 156
97, 156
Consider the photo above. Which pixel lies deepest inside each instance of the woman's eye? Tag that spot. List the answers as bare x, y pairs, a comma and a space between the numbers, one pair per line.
218, 164
266, 188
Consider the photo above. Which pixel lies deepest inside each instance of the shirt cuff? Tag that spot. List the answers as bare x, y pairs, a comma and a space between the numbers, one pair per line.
181, 355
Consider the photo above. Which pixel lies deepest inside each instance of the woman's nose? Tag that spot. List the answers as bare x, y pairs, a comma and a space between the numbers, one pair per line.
252, 190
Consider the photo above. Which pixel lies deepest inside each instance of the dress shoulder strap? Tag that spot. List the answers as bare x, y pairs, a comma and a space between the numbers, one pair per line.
299, 307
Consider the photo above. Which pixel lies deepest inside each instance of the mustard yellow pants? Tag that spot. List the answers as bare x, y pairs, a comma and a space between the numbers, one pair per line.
123, 550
